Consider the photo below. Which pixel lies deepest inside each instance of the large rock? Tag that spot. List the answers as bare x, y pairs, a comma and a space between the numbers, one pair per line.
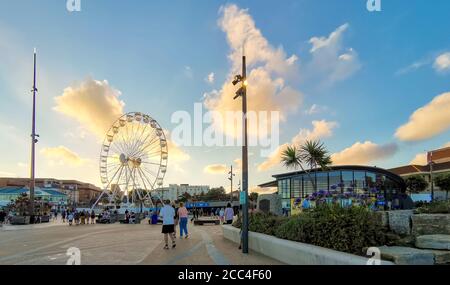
433, 242
441, 257
431, 224
400, 221
406, 255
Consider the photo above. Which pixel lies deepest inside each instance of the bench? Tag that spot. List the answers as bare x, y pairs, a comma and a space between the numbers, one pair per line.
201, 222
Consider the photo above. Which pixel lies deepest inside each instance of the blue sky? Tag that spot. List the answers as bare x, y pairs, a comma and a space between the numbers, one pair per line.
158, 54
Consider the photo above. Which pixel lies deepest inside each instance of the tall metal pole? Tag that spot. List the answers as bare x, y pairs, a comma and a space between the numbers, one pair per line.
33, 140
431, 176
244, 160
231, 182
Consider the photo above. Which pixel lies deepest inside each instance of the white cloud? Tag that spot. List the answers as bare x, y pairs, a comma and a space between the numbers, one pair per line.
427, 121
321, 129
94, 104
188, 72
330, 59
316, 109
364, 153
62, 155
216, 169
210, 78
442, 62
269, 68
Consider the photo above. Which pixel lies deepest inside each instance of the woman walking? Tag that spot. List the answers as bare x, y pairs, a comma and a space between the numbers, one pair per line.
183, 215
229, 214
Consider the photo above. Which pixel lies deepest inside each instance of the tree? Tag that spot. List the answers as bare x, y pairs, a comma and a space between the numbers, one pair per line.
443, 182
290, 157
315, 155
184, 197
312, 153
253, 196
216, 194
416, 184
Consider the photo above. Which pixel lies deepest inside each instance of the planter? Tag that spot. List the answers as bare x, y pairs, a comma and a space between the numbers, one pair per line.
295, 253
20, 220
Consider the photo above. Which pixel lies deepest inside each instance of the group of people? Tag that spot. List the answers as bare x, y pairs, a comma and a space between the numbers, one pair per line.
78, 217
173, 216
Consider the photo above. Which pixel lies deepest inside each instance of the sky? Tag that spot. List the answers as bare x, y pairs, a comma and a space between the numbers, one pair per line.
373, 86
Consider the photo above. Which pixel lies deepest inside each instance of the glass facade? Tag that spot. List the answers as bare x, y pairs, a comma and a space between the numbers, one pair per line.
370, 182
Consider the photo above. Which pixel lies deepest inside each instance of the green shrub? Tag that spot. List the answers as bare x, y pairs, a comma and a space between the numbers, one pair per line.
331, 226
436, 207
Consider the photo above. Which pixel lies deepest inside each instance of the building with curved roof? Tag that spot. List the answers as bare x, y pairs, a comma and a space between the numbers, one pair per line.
346, 178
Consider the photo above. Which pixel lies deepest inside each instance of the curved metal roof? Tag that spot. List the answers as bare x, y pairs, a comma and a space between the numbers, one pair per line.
389, 174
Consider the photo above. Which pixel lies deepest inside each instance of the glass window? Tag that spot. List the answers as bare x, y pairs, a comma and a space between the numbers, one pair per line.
308, 187
360, 181
297, 184
322, 180
347, 180
335, 180
284, 188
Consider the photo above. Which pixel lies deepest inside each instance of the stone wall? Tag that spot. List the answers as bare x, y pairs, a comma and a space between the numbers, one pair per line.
430, 224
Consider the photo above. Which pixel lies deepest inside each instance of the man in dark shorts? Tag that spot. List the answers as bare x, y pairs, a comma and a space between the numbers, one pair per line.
168, 229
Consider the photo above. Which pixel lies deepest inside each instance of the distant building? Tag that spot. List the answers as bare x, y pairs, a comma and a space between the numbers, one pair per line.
174, 191
79, 193
9, 194
440, 159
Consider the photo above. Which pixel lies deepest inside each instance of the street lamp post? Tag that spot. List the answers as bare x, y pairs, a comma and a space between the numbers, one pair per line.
243, 92
231, 182
33, 140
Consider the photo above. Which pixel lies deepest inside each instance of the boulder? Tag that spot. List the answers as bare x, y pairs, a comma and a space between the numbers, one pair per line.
433, 242
406, 255
441, 257
431, 224
400, 221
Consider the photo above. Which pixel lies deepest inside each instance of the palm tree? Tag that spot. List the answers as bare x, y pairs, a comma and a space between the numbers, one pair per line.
290, 157
315, 154
312, 153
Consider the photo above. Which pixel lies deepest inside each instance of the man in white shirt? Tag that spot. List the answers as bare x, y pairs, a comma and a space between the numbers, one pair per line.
168, 216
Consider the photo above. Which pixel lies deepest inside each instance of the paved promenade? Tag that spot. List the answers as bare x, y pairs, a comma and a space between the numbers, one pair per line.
120, 244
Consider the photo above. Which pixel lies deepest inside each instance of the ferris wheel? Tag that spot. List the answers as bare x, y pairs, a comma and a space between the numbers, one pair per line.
133, 159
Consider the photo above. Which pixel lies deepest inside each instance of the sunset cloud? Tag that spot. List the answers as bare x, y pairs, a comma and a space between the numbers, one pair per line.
427, 121
216, 169
62, 155
94, 104
269, 69
364, 153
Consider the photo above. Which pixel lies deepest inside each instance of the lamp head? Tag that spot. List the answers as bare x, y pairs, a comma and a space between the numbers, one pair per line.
237, 79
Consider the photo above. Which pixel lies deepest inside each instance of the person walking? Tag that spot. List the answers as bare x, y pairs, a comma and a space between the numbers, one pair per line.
2, 216
168, 229
63, 216
229, 214
221, 215
70, 218
177, 218
92, 217
83, 217
183, 215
